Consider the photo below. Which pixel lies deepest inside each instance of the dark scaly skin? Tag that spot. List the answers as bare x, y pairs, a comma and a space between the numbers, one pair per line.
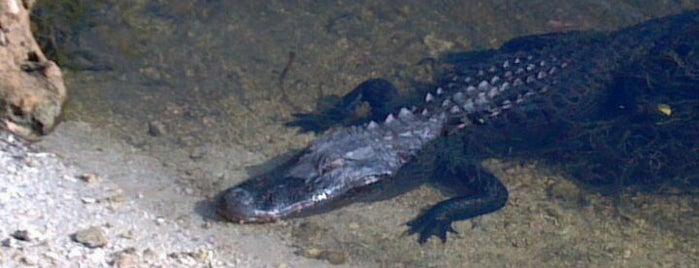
539, 78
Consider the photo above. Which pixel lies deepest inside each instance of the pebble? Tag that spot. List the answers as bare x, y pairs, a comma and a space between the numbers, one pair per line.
74, 253
52, 256
156, 128
28, 260
88, 200
313, 253
118, 198
27, 235
197, 153
5, 194
335, 257
89, 178
149, 253
9, 243
184, 258
125, 260
97, 256
128, 234
188, 191
22, 235
566, 193
92, 237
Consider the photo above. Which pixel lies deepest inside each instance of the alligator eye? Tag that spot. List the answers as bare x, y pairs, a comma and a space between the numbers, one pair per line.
326, 167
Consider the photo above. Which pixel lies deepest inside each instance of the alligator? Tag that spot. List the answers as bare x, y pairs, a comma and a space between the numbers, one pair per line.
542, 77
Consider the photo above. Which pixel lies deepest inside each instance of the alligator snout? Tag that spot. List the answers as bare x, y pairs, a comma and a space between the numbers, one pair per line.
238, 205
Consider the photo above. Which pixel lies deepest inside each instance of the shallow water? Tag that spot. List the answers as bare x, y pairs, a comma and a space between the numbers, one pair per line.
214, 73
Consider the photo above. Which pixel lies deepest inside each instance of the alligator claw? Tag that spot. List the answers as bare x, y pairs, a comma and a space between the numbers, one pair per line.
431, 224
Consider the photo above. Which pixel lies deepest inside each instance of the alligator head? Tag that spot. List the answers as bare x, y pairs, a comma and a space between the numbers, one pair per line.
331, 170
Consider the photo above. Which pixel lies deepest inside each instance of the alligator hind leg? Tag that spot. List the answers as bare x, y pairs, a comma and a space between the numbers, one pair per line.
490, 195
373, 99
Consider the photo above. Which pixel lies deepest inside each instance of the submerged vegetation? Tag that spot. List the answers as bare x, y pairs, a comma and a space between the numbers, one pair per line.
56, 24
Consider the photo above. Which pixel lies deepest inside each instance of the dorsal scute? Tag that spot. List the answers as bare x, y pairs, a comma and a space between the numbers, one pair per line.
406, 115
389, 119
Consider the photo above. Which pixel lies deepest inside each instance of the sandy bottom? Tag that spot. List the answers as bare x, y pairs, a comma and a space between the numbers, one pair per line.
202, 97
147, 220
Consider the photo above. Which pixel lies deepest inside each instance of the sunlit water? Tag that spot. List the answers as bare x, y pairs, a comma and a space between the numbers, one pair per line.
168, 76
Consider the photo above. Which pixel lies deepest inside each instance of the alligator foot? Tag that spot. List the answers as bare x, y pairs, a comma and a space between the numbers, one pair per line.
438, 219
373, 99
433, 222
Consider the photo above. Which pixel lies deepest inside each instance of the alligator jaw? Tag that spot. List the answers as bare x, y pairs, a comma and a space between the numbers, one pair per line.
236, 205
268, 199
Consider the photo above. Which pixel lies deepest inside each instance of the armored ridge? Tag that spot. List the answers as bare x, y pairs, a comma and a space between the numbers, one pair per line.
563, 71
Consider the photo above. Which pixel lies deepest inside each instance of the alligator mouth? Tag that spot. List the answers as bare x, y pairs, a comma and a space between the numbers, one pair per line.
245, 204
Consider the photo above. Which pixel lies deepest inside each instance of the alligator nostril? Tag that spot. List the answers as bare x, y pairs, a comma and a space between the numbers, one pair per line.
238, 196
234, 205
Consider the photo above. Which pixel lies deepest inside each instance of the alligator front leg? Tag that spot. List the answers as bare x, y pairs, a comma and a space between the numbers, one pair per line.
373, 99
490, 195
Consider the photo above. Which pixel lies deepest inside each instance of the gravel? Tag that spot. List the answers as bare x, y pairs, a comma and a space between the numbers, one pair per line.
47, 221
95, 202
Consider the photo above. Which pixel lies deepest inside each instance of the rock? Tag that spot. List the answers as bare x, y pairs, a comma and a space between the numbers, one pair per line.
156, 128
335, 257
185, 258
149, 254
92, 237
313, 253
88, 200
197, 153
188, 190
128, 234
9, 243
29, 260
32, 86
21, 235
566, 193
89, 178
437, 46
97, 256
125, 260
26, 235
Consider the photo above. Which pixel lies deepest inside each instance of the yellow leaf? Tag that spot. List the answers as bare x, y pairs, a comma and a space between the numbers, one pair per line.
665, 109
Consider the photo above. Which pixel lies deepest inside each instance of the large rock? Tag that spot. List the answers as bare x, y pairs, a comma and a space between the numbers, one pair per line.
32, 91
